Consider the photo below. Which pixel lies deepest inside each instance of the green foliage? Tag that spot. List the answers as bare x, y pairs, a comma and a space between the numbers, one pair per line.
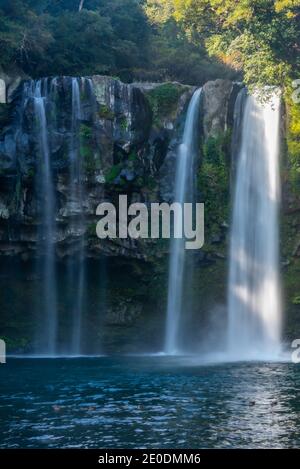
293, 138
260, 37
91, 158
48, 38
131, 39
159, 12
123, 123
85, 132
24, 35
86, 153
216, 149
151, 183
91, 230
296, 300
31, 173
15, 343
114, 172
290, 225
17, 195
191, 41
213, 182
163, 100
132, 156
174, 54
105, 113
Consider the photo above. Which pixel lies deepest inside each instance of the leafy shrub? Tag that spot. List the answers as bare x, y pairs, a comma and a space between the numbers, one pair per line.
163, 100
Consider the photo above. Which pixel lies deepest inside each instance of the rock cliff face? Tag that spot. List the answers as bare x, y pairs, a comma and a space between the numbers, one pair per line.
123, 137
216, 101
126, 138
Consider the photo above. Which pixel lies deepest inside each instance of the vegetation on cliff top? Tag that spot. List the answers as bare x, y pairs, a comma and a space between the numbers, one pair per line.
163, 100
115, 37
187, 40
259, 38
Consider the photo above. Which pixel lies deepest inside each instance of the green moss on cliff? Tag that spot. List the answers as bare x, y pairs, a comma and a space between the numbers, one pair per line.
85, 132
113, 173
123, 123
293, 139
290, 250
91, 230
163, 101
213, 183
91, 157
105, 113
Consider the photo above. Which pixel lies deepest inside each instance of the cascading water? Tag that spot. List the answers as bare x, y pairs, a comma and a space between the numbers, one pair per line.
254, 293
184, 192
42, 97
37, 91
77, 267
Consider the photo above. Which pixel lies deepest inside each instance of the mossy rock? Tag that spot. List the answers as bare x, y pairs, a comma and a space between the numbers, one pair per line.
88, 152
293, 140
213, 183
105, 112
85, 132
163, 101
113, 173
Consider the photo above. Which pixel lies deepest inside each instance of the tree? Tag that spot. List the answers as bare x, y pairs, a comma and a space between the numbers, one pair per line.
133, 39
259, 37
159, 12
24, 35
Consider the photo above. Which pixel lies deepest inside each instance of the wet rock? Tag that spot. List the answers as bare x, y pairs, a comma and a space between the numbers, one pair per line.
216, 95
123, 148
123, 313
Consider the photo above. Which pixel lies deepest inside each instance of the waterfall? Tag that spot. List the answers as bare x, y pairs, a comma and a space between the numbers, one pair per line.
254, 295
43, 112
37, 91
184, 192
77, 267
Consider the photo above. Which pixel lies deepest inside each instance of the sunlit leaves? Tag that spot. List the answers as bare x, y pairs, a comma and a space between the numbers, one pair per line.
159, 11
257, 36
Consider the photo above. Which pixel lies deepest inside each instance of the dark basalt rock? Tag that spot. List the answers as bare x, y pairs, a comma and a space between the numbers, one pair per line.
122, 151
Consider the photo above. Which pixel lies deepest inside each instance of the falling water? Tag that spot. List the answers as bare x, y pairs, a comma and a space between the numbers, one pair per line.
254, 293
184, 191
77, 268
37, 90
43, 95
